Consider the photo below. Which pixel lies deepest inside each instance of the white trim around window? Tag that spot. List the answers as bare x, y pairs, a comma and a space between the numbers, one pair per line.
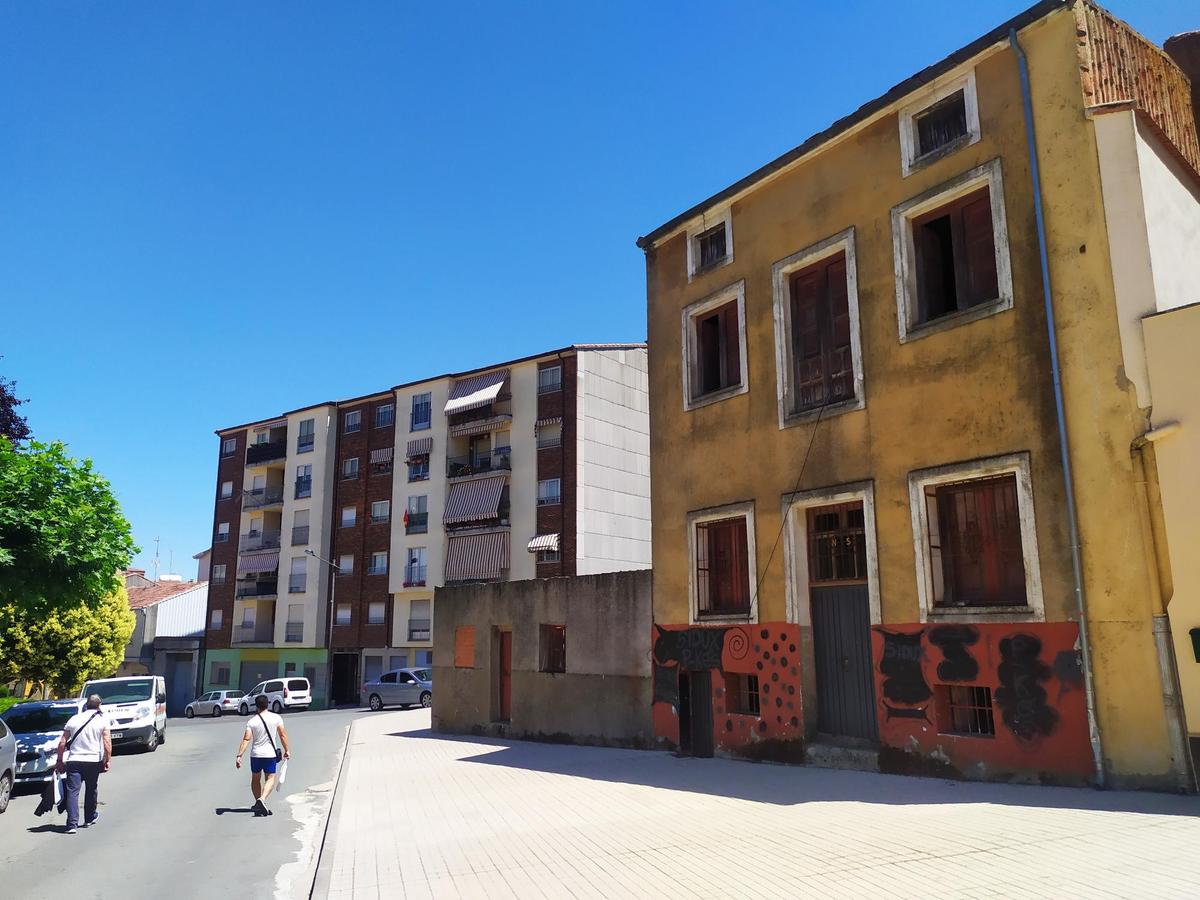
1013, 464
735, 291
965, 82
904, 256
795, 547
843, 242
699, 226
715, 514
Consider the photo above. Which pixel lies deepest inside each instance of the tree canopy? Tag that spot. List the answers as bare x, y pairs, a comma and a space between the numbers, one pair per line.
63, 539
12, 426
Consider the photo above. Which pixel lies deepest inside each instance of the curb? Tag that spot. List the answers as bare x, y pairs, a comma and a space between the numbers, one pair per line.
321, 873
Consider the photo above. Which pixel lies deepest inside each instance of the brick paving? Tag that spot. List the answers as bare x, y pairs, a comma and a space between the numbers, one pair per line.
423, 815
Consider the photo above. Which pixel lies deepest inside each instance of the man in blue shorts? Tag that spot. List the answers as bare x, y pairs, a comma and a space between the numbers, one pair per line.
268, 743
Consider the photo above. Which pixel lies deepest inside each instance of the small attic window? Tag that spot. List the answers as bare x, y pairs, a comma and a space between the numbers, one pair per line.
710, 245
939, 122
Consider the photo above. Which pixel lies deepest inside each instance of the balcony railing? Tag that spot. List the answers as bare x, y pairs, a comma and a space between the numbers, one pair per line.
304, 443
297, 584
553, 440
373, 569
258, 454
257, 588
414, 575
418, 629
501, 407
498, 460
257, 632
257, 497
299, 535
295, 632
303, 487
501, 521
418, 523
260, 540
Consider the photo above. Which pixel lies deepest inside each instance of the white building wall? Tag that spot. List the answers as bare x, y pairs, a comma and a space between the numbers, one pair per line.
182, 615
612, 507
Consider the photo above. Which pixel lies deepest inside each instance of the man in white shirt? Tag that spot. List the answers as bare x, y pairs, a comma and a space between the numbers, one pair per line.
86, 747
268, 742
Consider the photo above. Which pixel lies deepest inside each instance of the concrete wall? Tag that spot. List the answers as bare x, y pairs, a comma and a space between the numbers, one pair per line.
604, 697
612, 512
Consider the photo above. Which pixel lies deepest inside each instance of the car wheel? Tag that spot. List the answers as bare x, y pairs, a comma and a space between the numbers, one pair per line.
6, 784
277, 707
216, 712
426, 699
189, 713
244, 710
152, 741
375, 702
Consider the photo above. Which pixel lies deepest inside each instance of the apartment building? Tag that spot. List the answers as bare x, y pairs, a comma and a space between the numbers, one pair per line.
869, 539
532, 468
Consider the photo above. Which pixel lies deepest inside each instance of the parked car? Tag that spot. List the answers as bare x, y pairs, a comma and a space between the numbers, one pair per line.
8, 765
136, 708
37, 726
214, 703
400, 687
282, 693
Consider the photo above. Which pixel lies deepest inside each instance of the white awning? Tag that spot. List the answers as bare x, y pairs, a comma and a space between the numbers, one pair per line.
476, 391
472, 557
420, 447
258, 563
543, 542
549, 420
474, 501
382, 455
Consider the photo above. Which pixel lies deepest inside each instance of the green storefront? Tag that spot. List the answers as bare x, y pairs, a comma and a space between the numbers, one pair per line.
243, 669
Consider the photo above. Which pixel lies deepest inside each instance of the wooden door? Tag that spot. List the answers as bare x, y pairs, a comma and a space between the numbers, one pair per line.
504, 676
701, 713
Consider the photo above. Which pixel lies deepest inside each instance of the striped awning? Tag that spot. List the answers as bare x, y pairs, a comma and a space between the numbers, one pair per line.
382, 455
267, 426
495, 423
543, 542
476, 391
474, 501
477, 556
420, 447
550, 420
257, 563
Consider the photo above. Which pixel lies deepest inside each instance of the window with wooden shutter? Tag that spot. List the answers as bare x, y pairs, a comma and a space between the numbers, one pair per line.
722, 567
718, 350
956, 256
822, 360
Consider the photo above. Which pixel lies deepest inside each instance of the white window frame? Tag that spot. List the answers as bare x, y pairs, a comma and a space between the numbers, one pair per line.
549, 556
709, 220
226, 490
1013, 464
714, 514
735, 291
427, 396
382, 604
222, 532
219, 577
228, 446
371, 570
216, 619
353, 462
795, 548
356, 414
909, 160
379, 409
781, 272
346, 564
557, 497
387, 512
904, 255
557, 385
338, 620
353, 511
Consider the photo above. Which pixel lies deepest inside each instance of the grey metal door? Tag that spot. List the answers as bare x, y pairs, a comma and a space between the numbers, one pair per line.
841, 619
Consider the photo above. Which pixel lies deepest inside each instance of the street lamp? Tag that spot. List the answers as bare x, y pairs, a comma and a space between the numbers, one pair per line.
337, 570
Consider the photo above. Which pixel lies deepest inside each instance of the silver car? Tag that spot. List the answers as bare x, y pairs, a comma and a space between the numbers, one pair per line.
400, 687
8, 765
213, 704
37, 727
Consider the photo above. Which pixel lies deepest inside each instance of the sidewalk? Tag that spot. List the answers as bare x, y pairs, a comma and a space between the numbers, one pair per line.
421, 815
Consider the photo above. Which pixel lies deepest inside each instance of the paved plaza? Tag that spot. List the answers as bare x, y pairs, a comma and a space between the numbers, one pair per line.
425, 815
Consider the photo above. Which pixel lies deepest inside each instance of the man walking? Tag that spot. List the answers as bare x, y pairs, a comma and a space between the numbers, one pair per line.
268, 742
84, 751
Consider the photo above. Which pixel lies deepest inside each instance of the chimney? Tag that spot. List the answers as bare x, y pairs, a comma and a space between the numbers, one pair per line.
1184, 48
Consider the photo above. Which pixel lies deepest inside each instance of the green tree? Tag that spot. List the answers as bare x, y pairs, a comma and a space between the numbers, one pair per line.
64, 647
12, 426
63, 539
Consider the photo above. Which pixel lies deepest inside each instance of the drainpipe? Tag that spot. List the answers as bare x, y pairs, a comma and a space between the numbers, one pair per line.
1153, 539
1063, 445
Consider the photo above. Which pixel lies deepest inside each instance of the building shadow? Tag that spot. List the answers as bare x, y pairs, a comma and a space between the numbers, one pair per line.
790, 785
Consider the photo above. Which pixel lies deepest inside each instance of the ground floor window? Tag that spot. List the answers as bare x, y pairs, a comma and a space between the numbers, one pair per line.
967, 710
741, 694
553, 645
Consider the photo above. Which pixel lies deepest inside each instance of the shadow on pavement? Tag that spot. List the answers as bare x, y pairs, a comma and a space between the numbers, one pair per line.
789, 785
221, 810
43, 829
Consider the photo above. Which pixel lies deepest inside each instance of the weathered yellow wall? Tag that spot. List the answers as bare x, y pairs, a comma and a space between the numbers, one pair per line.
979, 390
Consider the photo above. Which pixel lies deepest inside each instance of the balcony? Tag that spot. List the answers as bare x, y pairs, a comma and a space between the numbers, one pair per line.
260, 540
498, 460
414, 575
418, 629
295, 633
260, 631
303, 487
297, 584
262, 588
299, 535
261, 454
257, 498
500, 521
418, 523
497, 415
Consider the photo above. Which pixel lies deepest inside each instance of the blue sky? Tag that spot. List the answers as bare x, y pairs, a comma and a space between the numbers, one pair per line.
211, 213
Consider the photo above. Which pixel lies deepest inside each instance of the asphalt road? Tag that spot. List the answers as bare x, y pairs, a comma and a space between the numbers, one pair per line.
176, 823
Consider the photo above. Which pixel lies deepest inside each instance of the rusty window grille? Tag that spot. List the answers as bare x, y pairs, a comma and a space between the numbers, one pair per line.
837, 544
712, 246
976, 556
968, 711
553, 647
741, 694
941, 124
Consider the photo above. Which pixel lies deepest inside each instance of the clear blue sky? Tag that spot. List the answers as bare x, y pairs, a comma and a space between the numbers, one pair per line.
211, 213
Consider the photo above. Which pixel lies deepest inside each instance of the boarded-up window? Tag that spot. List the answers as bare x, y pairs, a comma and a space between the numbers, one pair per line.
464, 647
552, 647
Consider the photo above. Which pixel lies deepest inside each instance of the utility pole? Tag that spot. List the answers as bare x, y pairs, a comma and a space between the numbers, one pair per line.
328, 626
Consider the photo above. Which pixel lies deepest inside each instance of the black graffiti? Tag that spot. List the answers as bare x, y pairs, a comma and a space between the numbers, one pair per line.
692, 648
1068, 669
666, 685
953, 640
1021, 697
904, 682
901, 712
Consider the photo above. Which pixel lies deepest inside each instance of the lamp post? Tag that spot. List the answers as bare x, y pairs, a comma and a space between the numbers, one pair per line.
328, 627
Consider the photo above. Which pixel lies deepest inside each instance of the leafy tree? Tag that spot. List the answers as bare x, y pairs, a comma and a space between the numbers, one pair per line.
64, 647
12, 426
63, 539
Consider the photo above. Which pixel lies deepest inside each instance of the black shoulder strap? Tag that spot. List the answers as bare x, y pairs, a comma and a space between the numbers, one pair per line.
79, 731
267, 729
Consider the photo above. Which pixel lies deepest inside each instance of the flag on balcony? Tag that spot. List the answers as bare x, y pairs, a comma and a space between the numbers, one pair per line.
543, 542
477, 556
474, 501
476, 391
258, 563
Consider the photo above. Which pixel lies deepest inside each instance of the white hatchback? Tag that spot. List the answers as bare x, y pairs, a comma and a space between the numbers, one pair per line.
281, 693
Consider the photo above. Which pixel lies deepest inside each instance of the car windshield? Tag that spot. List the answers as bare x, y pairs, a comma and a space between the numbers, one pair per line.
421, 674
47, 718
233, 695
120, 691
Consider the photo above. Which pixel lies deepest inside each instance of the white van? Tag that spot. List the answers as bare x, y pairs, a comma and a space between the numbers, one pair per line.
136, 708
290, 692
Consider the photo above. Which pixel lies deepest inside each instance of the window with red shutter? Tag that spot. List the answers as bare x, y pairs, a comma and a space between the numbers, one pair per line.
956, 257
822, 361
722, 568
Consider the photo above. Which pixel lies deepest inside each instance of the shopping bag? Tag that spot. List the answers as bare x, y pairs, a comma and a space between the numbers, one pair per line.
282, 772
